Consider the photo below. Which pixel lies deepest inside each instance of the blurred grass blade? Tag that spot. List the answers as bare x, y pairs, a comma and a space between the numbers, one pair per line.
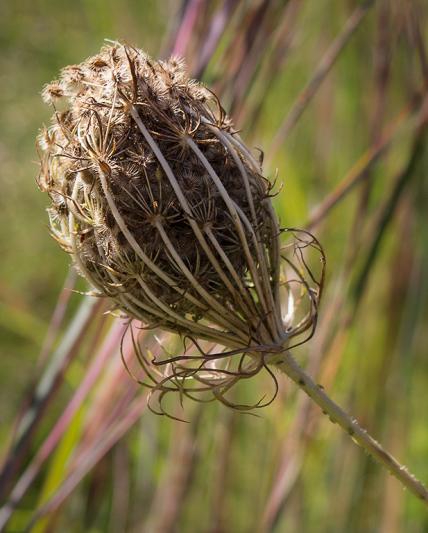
219, 21
90, 458
320, 73
386, 212
58, 315
193, 9
45, 389
358, 171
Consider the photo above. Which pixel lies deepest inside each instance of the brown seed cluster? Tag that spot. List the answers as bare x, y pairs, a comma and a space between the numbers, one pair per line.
160, 204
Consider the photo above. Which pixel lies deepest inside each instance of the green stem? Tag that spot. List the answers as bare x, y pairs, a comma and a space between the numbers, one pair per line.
290, 367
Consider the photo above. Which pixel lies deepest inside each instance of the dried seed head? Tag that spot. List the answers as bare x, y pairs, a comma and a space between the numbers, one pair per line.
164, 210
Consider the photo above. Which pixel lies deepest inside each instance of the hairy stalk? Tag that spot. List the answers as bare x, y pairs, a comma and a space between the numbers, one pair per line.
360, 436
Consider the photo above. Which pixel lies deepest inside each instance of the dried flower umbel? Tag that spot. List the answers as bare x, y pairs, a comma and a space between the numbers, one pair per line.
164, 210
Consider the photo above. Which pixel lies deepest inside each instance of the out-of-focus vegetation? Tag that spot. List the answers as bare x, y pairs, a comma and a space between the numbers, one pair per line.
289, 469
37, 39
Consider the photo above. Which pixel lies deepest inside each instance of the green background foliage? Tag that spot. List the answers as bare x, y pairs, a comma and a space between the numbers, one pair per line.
372, 337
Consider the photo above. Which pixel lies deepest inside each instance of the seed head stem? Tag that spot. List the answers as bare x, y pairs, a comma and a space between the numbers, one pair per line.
165, 211
360, 436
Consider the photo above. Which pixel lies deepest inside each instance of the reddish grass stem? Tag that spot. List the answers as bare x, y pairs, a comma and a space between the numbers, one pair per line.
318, 77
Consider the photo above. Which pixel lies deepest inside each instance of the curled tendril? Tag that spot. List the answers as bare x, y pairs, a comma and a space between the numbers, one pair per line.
205, 372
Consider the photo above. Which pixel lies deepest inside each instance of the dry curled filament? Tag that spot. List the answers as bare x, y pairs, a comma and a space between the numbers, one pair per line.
165, 211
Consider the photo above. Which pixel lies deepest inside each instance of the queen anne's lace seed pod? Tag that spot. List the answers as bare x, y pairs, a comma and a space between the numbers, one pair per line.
163, 208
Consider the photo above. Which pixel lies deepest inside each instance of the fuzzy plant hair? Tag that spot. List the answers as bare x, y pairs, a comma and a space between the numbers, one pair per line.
164, 210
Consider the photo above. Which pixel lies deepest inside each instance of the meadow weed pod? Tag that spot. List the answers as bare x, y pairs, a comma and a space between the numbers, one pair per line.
166, 212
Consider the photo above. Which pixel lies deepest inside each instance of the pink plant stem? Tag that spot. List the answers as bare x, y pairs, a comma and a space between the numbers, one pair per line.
185, 31
93, 456
115, 390
94, 370
61, 425
320, 73
45, 390
113, 424
218, 24
58, 315
54, 325
359, 170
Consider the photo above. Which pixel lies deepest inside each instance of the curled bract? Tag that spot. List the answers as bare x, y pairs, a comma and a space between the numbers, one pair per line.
165, 211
